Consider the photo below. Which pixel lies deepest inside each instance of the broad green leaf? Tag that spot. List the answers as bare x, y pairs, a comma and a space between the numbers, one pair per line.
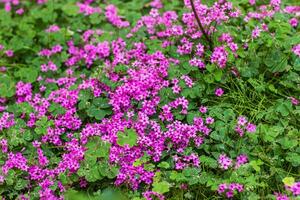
7, 86
27, 74
289, 181
129, 136
161, 187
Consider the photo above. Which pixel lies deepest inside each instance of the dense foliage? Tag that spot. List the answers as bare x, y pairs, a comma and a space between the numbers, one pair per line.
141, 99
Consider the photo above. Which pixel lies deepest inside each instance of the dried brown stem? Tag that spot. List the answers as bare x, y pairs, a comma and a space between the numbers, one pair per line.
201, 26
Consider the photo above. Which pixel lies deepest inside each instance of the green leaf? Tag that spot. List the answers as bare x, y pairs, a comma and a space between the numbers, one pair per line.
27, 136
129, 137
27, 74
101, 103
256, 164
97, 148
70, 9
212, 163
161, 187
98, 113
293, 158
297, 64
284, 107
287, 143
270, 133
42, 124
93, 174
75, 195
21, 184
56, 109
7, 86
204, 177
289, 181
276, 61
218, 74
164, 165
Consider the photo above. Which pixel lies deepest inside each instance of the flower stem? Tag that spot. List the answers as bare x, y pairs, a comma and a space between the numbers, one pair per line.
201, 26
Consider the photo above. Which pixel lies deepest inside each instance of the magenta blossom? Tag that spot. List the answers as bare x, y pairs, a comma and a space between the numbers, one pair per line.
219, 92
293, 22
224, 161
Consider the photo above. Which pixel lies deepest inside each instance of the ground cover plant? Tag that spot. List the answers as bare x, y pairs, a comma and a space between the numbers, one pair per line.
149, 99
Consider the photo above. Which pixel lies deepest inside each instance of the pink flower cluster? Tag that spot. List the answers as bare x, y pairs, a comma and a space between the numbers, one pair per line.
4, 145
8, 4
280, 196
185, 161
148, 195
230, 189
53, 28
9, 53
243, 125
49, 52
241, 160
23, 92
219, 56
48, 67
6, 121
225, 162
111, 15
265, 11
15, 161
135, 101
87, 9
295, 188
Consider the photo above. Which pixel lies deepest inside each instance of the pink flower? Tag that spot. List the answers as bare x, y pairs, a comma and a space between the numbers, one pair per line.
83, 183
9, 53
156, 4
264, 27
280, 196
203, 109
239, 129
149, 195
86, 9
252, 2
210, 120
219, 56
197, 63
219, 92
52, 29
3, 69
295, 188
199, 50
251, 128
224, 161
296, 50
3, 144
1, 179
256, 32
242, 120
222, 187
112, 16
294, 101
20, 11
240, 160
293, 22
229, 194
230, 189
